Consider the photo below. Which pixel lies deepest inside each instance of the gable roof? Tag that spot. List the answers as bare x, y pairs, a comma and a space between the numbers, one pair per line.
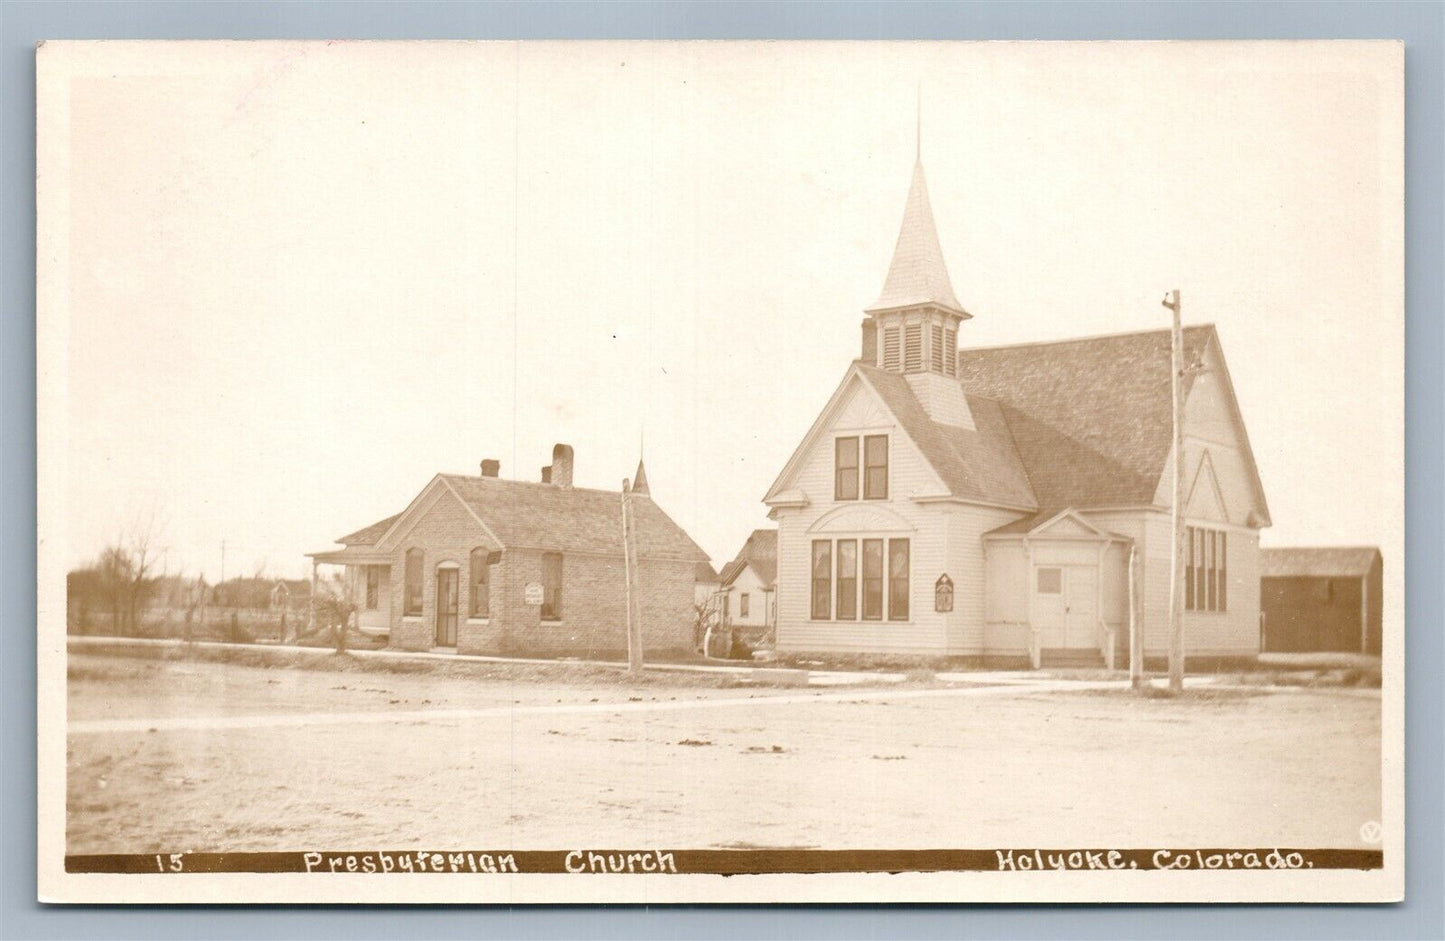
545, 516
761, 552
1322, 562
979, 464
369, 535
917, 274
521, 514
1091, 418
705, 574
1039, 523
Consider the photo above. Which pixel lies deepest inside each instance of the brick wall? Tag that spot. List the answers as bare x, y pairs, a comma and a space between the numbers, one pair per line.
593, 622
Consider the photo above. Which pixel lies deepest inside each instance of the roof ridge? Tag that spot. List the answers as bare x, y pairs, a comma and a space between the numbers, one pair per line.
1354, 548
1082, 339
527, 483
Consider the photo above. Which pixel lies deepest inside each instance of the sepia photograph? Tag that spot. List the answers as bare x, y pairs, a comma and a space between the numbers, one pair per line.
538, 472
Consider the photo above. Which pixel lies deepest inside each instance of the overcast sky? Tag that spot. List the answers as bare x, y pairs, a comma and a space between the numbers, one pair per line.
304, 278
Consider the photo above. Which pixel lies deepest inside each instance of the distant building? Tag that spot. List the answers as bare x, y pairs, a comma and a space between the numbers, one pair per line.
985, 502
491, 566
750, 581
706, 583
1321, 599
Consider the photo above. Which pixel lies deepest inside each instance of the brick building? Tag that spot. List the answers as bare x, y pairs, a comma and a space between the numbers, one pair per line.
485, 565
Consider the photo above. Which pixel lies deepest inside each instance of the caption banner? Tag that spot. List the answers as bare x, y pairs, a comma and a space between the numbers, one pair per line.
727, 862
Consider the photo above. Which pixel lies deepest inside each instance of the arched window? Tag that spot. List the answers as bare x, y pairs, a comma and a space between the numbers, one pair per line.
412, 596
481, 584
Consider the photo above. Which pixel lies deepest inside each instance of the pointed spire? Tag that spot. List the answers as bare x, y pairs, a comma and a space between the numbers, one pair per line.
917, 275
639, 480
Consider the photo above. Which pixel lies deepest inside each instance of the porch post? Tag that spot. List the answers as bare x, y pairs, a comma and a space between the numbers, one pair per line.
311, 613
1035, 655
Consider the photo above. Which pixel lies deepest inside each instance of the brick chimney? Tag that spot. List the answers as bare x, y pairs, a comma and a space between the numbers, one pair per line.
491, 467
562, 465
870, 341
547, 474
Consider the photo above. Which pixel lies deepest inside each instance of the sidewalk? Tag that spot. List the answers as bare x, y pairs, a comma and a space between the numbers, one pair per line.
783, 676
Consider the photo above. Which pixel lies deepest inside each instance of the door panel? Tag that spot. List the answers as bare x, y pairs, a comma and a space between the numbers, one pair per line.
446, 629
1049, 605
1082, 606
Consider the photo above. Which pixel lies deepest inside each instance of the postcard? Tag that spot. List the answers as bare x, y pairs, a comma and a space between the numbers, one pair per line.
586, 472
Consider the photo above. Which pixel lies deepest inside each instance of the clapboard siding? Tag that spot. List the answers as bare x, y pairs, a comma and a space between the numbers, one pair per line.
1209, 427
861, 413
970, 573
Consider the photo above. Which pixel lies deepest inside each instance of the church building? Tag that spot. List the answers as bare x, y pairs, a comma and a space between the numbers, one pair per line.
988, 502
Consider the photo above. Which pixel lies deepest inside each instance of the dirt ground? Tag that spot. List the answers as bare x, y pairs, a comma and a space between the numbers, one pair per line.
1236, 767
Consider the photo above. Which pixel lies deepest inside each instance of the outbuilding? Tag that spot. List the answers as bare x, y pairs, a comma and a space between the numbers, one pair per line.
1321, 599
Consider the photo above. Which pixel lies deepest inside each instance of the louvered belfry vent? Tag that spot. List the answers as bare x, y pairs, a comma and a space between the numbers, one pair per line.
890, 348
913, 347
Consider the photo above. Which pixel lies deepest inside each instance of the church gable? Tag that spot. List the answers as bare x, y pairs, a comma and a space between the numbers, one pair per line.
855, 410
1221, 482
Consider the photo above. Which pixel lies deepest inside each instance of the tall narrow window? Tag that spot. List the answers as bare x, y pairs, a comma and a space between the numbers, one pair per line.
1199, 571
481, 606
551, 586
950, 352
413, 583
875, 460
890, 348
873, 579
744, 605
1189, 571
373, 587
1211, 574
847, 579
845, 469
822, 579
1206, 570
1221, 558
913, 347
898, 579
935, 352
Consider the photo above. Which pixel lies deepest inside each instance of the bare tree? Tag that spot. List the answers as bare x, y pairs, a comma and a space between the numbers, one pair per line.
116, 572
335, 609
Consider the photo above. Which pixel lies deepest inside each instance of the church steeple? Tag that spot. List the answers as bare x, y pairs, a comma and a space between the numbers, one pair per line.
639, 479
912, 328
917, 275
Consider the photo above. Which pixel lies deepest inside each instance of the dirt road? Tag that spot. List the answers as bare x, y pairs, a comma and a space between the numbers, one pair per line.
753, 768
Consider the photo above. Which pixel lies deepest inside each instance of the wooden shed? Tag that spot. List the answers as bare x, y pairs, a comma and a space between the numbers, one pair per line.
1321, 599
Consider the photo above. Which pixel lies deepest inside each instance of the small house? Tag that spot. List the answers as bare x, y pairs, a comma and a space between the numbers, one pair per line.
749, 584
1321, 600
483, 565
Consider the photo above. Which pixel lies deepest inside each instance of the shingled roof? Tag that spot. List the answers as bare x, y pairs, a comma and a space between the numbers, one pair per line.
1090, 418
369, 535
545, 516
1324, 562
761, 552
917, 274
980, 464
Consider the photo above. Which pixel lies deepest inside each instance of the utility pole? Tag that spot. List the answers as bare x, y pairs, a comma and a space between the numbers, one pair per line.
1178, 530
629, 568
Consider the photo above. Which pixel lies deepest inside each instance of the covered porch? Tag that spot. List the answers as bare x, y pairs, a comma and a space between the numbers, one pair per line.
362, 576
1057, 591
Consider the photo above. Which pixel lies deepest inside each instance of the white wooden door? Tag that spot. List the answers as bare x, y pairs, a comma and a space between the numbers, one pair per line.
1050, 611
1081, 606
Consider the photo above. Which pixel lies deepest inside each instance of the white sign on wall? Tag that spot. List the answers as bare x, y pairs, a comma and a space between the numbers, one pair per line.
532, 594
